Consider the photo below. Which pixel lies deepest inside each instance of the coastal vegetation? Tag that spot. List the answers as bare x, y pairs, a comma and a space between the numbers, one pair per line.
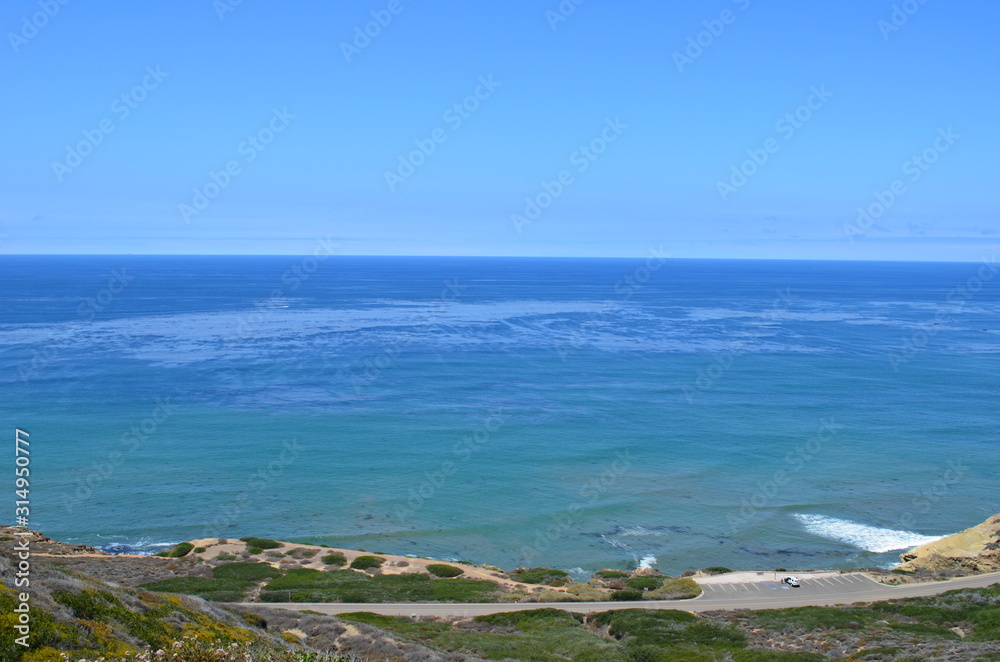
547, 576
245, 571
260, 544
545, 635
444, 570
83, 609
716, 570
336, 559
82, 617
228, 583
177, 551
898, 631
367, 562
612, 574
308, 585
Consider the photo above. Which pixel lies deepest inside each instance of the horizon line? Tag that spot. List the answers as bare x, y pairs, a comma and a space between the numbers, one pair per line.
475, 256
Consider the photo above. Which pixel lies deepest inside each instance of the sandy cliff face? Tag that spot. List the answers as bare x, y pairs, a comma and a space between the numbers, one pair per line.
973, 550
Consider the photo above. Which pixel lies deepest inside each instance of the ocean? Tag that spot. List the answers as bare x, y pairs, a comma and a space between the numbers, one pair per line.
572, 413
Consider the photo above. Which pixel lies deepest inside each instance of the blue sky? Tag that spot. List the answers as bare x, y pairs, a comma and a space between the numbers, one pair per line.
650, 114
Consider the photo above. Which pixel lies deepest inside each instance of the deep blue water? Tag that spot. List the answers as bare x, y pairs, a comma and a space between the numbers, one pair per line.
579, 413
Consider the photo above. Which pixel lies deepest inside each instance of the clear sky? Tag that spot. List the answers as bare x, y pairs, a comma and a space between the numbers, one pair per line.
708, 128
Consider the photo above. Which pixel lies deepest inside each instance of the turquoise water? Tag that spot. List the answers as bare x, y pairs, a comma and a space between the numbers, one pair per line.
509, 411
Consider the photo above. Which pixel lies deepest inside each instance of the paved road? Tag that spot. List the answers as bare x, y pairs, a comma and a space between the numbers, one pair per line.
764, 594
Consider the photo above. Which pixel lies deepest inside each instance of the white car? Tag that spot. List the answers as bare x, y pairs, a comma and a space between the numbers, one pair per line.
791, 581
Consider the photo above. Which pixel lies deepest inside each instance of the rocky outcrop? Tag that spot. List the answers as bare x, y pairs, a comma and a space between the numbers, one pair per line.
971, 551
41, 544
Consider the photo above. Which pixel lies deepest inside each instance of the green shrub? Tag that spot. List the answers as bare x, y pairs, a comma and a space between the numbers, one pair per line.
541, 636
611, 574
335, 559
199, 550
225, 557
366, 562
45, 632
675, 589
585, 592
103, 607
443, 570
539, 576
246, 571
670, 631
256, 620
717, 570
262, 543
529, 619
254, 550
177, 551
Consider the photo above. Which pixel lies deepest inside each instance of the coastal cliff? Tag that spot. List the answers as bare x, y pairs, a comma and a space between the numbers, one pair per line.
973, 550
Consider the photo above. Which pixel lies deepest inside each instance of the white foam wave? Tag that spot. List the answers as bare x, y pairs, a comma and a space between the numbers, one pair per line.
637, 531
862, 536
646, 562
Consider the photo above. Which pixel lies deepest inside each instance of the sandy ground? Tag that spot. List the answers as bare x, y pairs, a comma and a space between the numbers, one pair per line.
394, 565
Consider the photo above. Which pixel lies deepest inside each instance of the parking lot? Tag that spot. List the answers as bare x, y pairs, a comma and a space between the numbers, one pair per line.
771, 587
